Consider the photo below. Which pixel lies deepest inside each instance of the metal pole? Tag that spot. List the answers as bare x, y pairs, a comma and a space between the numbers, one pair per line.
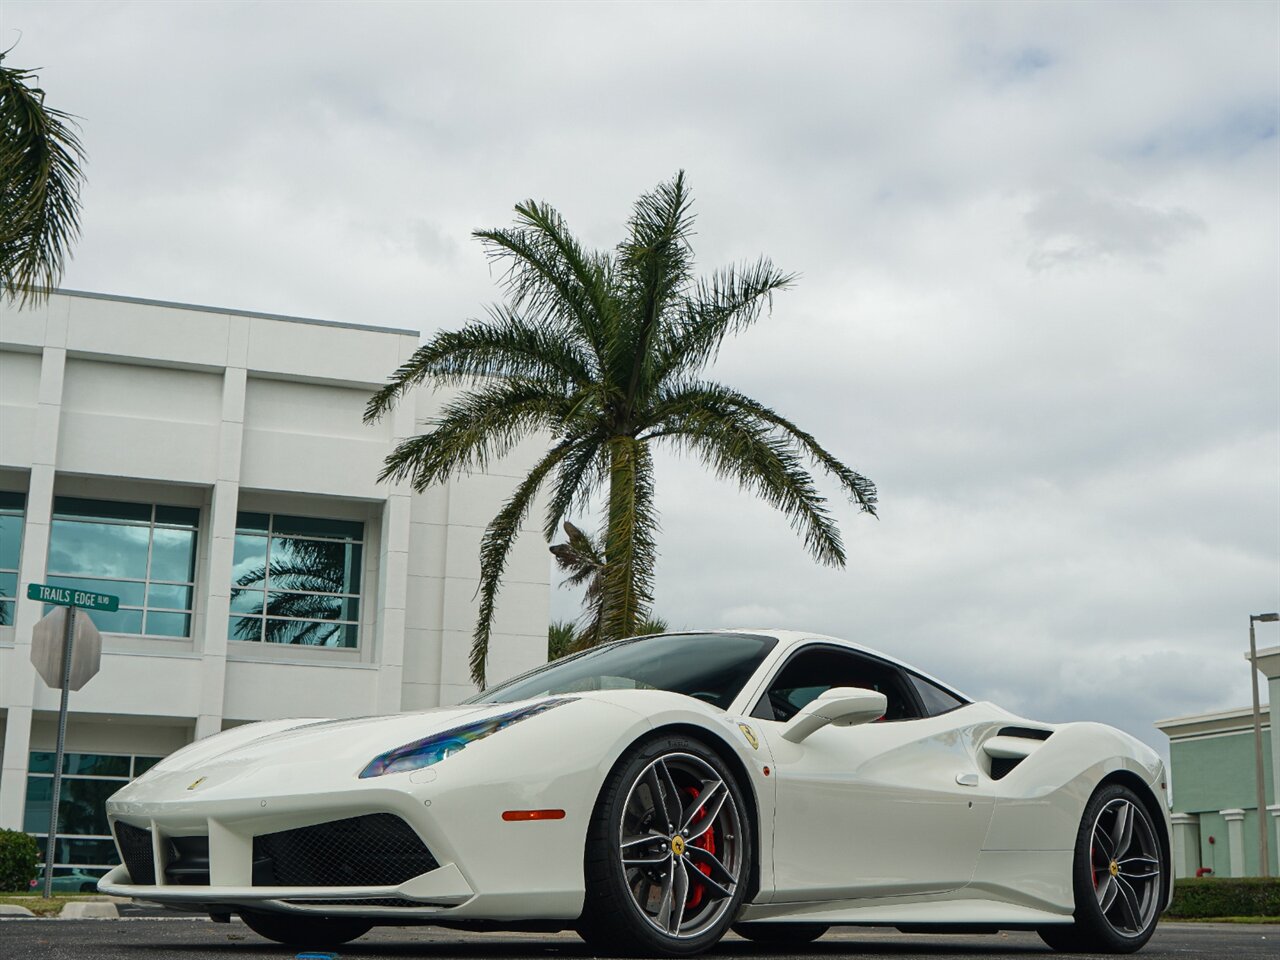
1264, 855
51, 842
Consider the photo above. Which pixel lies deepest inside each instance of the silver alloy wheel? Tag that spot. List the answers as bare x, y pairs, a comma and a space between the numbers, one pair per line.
1124, 856
679, 847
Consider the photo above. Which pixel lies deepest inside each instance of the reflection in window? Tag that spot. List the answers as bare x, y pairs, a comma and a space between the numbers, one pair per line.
85, 849
296, 580
11, 505
143, 553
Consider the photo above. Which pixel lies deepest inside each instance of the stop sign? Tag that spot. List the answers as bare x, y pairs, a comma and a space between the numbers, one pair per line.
48, 640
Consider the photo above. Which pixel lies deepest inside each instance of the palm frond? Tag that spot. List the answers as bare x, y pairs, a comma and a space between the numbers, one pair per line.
499, 537
726, 304
695, 396
508, 346
479, 426
40, 179
736, 447
654, 265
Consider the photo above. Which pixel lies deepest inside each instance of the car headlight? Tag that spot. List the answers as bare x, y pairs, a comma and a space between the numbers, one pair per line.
438, 746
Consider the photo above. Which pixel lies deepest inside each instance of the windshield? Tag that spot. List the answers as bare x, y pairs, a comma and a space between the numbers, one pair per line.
713, 667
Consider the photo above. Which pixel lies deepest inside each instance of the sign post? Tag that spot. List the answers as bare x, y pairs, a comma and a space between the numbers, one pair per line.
53, 648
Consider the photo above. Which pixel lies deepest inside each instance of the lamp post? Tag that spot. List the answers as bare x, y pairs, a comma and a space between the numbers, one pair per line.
1264, 856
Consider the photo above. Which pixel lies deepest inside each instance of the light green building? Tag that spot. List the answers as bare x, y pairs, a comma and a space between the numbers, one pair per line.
1215, 808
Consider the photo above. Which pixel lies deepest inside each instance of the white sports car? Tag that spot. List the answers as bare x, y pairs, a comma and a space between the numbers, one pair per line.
654, 792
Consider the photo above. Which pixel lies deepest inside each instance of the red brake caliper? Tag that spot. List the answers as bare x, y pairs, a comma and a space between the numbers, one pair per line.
708, 843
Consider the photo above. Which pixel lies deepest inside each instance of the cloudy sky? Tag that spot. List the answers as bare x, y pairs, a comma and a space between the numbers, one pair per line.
1039, 302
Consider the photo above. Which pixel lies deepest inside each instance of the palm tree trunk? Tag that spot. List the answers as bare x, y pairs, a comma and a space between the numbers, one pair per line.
628, 573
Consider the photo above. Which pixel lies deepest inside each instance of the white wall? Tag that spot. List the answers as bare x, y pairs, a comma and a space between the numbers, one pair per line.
136, 400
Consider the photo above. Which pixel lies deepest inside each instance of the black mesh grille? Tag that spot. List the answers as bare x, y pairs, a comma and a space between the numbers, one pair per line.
375, 850
135, 848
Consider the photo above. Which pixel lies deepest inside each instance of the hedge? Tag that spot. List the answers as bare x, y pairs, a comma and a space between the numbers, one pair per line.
19, 855
1226, 897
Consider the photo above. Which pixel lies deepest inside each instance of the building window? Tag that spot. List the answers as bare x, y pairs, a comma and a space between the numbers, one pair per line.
85, 849
11, 505
296, 580
143, 553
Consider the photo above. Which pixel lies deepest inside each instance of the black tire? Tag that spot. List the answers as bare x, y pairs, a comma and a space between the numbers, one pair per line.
297, 930
613, 921
780, 934
1128, 922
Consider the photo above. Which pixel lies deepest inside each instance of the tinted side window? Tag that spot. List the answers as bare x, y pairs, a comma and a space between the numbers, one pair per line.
935, 699
811, 673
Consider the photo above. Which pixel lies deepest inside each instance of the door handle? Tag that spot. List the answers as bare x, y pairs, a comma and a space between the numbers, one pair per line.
967, 779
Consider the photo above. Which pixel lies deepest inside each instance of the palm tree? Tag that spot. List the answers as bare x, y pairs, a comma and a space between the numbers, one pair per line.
582, 558
604, 352
40, 177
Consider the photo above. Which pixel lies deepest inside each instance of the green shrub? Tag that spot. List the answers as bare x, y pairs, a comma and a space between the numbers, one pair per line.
1226, 897
18, 857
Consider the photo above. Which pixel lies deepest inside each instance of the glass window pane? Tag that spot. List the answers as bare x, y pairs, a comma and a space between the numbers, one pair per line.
319, 527
936, 700
86, 852
40, 762
252, 522
10, 540
101, 509
12, 501
98, 550
311, 633
121, 621
312, 606
173, 555
8, 585
180, 516
7, 608
95, 764
161, 624
249, 561
244, 628
82, 807
316, 565
130, 592
247, 601
169, 596
142, 764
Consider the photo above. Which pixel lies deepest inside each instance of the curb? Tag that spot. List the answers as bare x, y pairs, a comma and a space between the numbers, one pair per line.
13, 910
89, 910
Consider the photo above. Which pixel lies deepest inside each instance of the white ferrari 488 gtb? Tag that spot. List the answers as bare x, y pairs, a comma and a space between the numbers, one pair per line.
655, 792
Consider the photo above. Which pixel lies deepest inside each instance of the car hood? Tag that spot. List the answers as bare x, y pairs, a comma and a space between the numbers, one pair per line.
356, 740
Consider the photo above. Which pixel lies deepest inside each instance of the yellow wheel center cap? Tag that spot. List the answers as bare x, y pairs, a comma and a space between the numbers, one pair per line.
1114, 868
677, 845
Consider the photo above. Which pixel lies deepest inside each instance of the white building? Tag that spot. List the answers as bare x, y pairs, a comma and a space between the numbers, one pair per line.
212, 469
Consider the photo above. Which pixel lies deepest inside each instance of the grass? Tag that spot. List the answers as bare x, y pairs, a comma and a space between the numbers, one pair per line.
42, 907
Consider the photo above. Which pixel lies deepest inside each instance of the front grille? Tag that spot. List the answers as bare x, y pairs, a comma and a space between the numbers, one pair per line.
135, 848
375, 850
188, 862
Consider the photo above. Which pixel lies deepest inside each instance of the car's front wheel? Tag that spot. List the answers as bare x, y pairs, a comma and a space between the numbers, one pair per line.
668, 852
1118, 877
297, 930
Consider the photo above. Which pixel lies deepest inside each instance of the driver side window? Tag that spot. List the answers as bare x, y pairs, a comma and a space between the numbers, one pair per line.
815, 670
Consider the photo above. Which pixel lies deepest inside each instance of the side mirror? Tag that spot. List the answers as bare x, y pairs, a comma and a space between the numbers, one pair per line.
843, 706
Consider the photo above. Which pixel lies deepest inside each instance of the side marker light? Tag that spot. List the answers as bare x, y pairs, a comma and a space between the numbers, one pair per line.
513, 815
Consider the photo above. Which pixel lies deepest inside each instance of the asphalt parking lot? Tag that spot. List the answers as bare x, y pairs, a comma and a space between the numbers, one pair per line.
144, 938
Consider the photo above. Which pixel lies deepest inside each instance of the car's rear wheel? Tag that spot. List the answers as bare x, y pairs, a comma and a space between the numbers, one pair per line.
296, 930
780, 934
668, 852
1118, 877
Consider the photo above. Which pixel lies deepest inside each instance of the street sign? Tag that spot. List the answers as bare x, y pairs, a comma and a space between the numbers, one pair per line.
68, 597
48, 639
